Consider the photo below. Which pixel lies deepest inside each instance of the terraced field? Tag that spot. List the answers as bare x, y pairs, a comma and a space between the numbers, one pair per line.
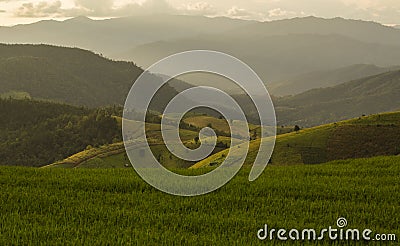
376, 135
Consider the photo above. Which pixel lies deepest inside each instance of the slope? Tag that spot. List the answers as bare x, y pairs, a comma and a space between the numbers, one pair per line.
375, 135
34, 133
325, 78
371, 95
69, 75
278, 57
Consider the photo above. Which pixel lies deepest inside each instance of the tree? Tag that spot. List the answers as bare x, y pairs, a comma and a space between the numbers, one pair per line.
297, 128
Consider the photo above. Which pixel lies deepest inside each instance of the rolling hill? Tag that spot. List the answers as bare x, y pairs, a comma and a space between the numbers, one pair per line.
325, 78
36, 133
70, 75
278, 57
371, 95
363, 137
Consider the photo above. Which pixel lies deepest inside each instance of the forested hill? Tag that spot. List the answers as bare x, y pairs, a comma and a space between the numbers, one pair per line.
371, 95
68, 75
34, 133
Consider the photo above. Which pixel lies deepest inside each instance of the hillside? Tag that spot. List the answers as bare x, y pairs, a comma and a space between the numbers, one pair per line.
114, 156
69, 75
325, 78
375, 135
34, 133
278, 57
371, 95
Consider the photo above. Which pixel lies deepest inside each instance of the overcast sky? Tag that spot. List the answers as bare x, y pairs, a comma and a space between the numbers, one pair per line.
25, 11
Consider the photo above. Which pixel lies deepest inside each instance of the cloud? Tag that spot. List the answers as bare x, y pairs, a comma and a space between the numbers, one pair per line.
41, 9
97, 7
384, 11
278, 13
199, 8
241, 13
147, 7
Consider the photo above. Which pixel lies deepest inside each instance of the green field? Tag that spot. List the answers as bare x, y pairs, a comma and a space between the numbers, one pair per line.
369, 136
114, 206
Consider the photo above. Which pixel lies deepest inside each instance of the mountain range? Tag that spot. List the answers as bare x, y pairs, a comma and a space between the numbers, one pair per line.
81, 77
112, 36
277, 50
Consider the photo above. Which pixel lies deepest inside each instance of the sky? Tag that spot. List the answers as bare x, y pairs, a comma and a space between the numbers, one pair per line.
14, 12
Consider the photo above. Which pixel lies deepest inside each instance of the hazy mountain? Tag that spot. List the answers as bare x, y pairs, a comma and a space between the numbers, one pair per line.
277, 50
325, 78
375, 94
113, 36
280, 57
364, 31
69, 75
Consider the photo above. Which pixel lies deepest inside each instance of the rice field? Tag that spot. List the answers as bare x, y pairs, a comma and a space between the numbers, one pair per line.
56, 206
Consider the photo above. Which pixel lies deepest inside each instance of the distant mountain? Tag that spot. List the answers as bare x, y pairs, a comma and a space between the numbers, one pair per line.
371, 95
277, 50
325, 78
114, 36
279, 57
69, 75
364, 31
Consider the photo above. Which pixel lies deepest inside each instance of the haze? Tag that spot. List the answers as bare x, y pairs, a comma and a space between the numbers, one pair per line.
14, 12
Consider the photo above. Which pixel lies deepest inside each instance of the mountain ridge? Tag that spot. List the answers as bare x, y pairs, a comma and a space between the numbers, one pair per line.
325, 78
370, 95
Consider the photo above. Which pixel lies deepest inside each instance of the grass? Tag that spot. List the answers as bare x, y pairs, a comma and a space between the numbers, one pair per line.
217, 124
114, 206
363, 137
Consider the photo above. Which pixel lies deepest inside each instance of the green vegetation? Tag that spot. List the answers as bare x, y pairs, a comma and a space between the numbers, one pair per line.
15, 95
114, 206
362, 137
221, 126
34, 133
371, 95
325, 78
69, 75
80, 77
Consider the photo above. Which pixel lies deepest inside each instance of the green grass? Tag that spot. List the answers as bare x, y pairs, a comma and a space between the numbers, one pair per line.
217, 124
369, 136
114, 206
363, 137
